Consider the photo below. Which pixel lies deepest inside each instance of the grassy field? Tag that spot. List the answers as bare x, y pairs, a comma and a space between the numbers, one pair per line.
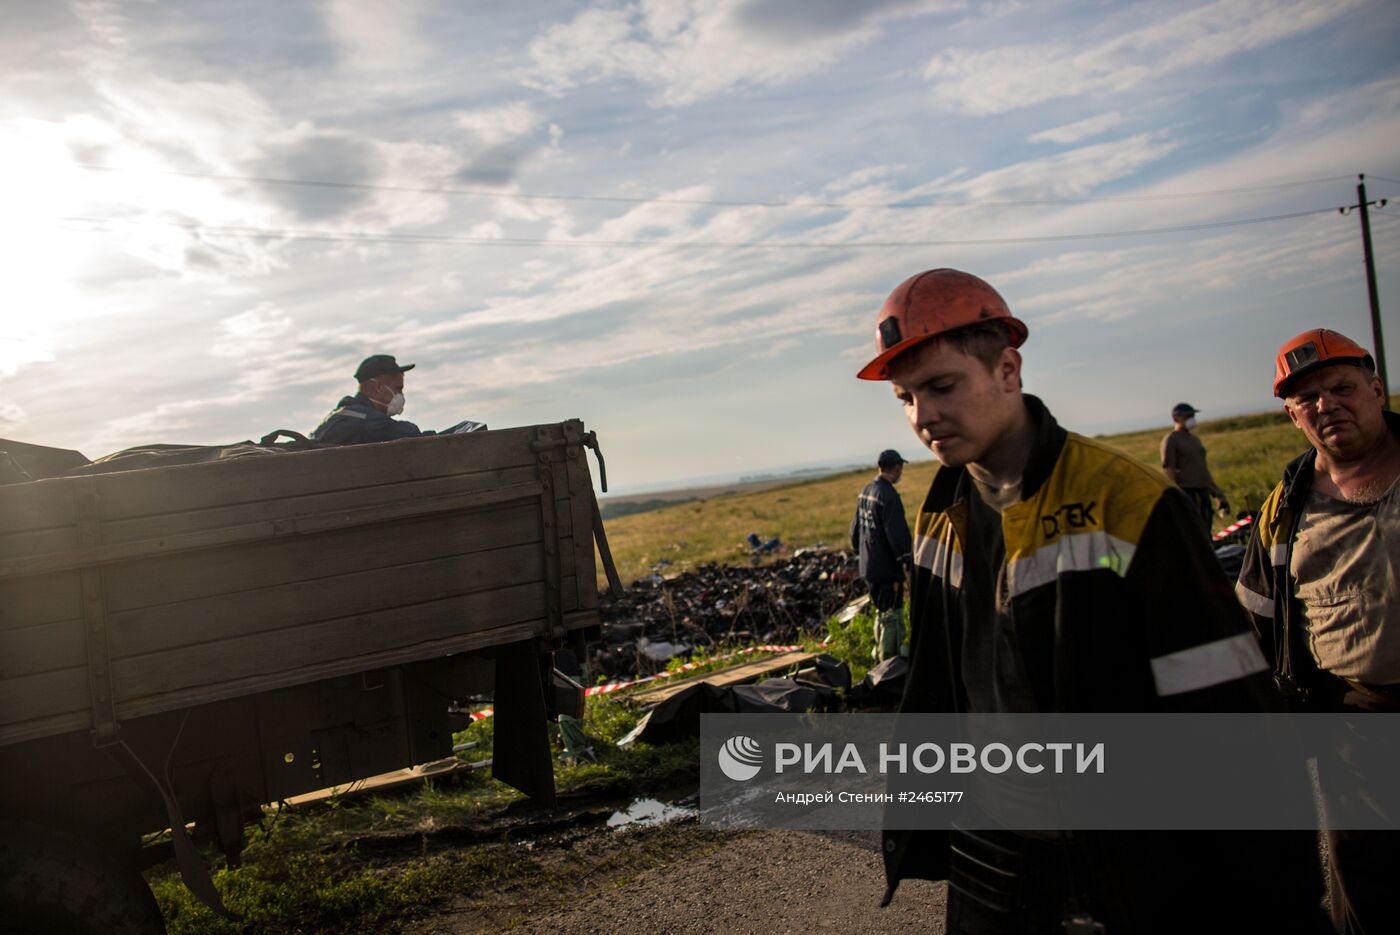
1246, 455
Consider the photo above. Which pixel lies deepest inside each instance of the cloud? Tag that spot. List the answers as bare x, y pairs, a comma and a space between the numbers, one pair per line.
11, 417
496, 165
1079, 130
790, 20
1116, 283
994, 81
689, 50
1073, 172
376, 35
500, 141
504, 123
248, 333
321, 155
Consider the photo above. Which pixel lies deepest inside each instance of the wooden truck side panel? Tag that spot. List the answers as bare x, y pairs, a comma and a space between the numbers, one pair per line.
130, 594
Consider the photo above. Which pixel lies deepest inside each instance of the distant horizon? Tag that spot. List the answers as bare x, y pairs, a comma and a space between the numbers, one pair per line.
913, 453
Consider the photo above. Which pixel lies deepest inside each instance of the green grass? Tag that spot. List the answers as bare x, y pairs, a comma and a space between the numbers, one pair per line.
302, 870
803, 514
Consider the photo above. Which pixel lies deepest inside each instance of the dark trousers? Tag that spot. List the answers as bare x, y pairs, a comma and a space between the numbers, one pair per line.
1201, 498
1361, 865
886, 595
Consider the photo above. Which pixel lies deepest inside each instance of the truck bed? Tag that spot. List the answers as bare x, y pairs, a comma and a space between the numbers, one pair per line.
130, 594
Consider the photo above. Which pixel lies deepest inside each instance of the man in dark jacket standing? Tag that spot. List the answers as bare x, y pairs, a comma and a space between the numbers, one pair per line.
880, 536
1055, 574
368, 416
1320, 579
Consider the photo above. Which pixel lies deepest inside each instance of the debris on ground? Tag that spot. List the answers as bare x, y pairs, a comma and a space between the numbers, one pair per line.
658, 617
882, 687
758, 547
678, 717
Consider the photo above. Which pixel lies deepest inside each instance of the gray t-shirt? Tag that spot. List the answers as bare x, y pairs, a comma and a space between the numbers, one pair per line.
1346, 561
1184, 453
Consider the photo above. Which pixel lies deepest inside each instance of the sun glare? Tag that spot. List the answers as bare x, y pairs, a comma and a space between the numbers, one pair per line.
39, 260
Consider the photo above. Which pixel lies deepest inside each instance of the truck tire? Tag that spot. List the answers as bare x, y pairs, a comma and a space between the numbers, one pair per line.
55, 882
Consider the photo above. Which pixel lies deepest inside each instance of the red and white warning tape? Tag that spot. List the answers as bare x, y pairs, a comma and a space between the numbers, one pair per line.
611, 687
1232, 528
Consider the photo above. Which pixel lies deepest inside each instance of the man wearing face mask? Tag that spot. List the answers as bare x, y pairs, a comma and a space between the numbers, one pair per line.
1184, 463
368, 416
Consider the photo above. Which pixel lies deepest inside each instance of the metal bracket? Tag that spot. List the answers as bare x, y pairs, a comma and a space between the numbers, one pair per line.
88, 517
571, 440
604, 550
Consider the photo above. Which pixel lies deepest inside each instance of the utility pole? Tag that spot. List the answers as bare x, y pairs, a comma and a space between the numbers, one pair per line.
1377, 342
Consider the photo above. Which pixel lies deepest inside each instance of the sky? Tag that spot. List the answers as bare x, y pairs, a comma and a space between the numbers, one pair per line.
673, 219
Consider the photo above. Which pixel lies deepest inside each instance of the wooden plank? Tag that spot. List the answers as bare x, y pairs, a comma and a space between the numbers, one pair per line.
37, 728
47, 504
181, 577
581, 520
37, 542
56, 597
87, 511
266, 612
41, 599
41, 648
250, 480
320, 502
748, 672
42, 504
263, 529
46, 695
384, 782
309, 647
549, 535
237, 688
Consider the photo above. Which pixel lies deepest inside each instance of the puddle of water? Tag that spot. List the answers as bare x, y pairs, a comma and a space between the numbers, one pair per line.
649, 812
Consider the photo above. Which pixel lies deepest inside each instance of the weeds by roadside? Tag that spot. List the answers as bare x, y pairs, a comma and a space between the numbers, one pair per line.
307, 870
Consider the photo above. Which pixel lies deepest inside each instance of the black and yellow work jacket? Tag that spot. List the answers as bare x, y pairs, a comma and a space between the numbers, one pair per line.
1268, 590
1116, 604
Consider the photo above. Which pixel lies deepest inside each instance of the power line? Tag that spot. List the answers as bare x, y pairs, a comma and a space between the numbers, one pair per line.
1381, 178
706, 202
296, 234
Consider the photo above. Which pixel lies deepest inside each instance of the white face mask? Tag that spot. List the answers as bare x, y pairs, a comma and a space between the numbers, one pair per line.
1190, 423
395, 404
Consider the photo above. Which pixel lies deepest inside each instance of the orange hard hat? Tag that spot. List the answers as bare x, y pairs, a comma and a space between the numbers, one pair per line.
1316, 348
929, 304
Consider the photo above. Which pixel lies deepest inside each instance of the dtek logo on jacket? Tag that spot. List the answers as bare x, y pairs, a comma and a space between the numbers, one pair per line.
1088, 514
1068, 517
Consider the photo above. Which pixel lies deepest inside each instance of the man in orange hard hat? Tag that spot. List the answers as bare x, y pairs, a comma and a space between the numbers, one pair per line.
1319, 578
1048, 578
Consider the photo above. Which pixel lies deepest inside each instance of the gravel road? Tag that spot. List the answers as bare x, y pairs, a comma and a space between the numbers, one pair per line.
701, 881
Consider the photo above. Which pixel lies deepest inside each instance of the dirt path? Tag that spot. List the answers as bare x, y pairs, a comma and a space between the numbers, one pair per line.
682, 878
